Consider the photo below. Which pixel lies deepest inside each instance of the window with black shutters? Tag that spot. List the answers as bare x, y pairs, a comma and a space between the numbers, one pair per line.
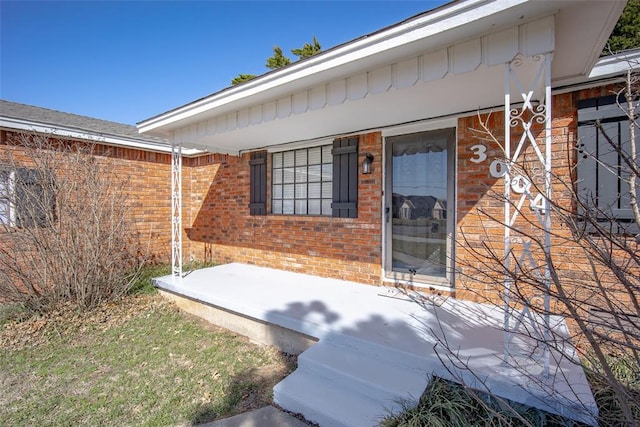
603, 168
321, 180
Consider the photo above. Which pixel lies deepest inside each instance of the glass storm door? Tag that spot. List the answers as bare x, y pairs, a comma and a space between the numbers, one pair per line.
419, 203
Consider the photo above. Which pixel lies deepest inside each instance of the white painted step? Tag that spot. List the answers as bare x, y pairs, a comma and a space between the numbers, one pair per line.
410, 360
325, 402
338, 385
380, 379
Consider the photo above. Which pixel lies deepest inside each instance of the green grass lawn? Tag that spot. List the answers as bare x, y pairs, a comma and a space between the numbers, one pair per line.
137, 362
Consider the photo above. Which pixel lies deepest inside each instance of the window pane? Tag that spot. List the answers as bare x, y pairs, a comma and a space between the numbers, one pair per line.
314, 190
327, 172
301, 207
287, 206
314, 173
327, 157
277, 160
288, 176
301, 157
326, 207
314, 155
301, 174
287, 191
277, 191
302, 181
277, 176
327, 190
288, 158
314, 207
301, 191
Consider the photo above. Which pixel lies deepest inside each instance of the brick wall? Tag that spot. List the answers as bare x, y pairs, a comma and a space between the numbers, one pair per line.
149, 189
220, 228
479, 238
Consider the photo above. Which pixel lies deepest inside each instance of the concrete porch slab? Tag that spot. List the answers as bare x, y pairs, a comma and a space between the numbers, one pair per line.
457, 340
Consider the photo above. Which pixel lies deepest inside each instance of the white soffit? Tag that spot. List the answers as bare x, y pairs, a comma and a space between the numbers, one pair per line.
582, 29
445, 79
454, 51
440, 27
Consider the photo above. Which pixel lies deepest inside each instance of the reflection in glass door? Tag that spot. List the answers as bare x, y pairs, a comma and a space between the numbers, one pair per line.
419, 195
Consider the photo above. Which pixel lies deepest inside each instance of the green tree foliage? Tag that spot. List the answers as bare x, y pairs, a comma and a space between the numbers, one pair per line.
241, 78
278, 60
626, 34
309, 49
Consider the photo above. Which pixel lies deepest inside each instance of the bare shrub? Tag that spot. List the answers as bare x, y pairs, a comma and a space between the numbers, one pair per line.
67, 235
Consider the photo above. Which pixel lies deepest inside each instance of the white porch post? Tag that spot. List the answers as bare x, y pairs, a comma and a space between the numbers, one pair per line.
518, 189
176, 210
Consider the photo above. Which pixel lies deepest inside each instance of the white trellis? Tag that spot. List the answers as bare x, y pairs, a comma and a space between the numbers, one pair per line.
176, 210
535, 98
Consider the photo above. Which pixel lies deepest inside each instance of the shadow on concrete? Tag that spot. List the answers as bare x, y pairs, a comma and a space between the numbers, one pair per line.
464, 342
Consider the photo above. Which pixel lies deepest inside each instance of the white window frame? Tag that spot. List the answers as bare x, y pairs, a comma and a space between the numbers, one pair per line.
7, 190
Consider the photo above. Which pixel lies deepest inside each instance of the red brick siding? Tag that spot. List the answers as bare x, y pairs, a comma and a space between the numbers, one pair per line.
476, 201
220, 224
218, 227
149, 189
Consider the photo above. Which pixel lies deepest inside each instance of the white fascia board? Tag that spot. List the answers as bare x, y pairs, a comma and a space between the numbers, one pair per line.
448, 17
59, 131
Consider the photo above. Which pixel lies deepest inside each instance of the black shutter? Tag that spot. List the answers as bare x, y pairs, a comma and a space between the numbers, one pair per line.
602, 172
345, 178
258, 183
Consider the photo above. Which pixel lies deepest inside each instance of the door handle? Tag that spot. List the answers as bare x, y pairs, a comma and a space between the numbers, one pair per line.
386, 214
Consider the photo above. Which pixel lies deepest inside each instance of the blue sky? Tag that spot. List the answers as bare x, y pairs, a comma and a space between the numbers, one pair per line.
128, 61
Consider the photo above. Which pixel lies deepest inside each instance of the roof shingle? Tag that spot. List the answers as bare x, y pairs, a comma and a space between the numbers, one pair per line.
56, 119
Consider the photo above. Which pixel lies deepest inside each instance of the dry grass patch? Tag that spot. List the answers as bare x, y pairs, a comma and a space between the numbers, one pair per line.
136, 362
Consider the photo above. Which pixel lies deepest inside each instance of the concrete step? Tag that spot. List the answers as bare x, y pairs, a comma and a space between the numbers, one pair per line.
326, 402
419, 359
338, 385
378, 378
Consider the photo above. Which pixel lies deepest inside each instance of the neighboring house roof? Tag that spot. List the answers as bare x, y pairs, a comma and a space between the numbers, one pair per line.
614, 65
22, 117
435, 64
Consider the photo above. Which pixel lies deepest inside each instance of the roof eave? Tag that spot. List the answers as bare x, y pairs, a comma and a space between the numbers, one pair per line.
316, 68
21, 125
